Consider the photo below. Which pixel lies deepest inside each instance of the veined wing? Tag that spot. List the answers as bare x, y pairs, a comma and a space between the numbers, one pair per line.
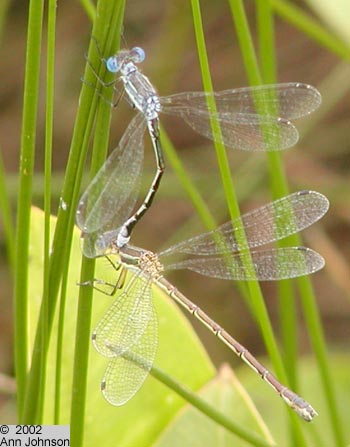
126, 320
126, 373
112, 194
265, 265
288, 100
250, 118
268, 223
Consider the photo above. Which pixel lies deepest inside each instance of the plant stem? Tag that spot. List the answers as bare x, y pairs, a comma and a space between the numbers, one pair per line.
28, 140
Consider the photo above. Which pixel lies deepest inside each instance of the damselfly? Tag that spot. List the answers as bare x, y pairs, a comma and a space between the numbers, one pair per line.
249, 119
127, 334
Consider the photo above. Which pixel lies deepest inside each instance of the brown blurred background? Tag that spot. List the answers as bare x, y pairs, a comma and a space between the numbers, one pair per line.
320, 161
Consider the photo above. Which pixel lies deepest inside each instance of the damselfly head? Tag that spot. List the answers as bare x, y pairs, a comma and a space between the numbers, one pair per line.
115, 63
137, 55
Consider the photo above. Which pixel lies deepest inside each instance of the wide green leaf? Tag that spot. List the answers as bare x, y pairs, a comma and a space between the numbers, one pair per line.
180, 354
194, 429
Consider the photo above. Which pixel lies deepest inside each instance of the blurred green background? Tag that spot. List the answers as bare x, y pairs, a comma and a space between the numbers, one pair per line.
320, 161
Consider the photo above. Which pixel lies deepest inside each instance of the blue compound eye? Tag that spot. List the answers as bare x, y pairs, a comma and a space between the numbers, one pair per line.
112, 64
138, 55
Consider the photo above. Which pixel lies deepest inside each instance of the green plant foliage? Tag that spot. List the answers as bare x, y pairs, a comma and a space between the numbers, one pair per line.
319, 432
335, 14
157, 415
194, 429
154, 405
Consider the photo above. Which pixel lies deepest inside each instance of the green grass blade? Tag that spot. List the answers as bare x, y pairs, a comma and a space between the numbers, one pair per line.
250, 60
66, 214
279, 188
208, 87
258, 307
6, 217
192, 191
81, 355
59, 352
90, 9
315, 330
4, 8
83, 330
297, 17
38, 403
288, 319
187, 183
28, 138
245, 42
50, 73
209, 410
266, 38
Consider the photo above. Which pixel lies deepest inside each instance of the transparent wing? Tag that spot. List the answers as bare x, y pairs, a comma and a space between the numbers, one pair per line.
267, 265
250, 118
289, 100
97, 244
243, 132
126, 320
126, 373
268, 223
111, 196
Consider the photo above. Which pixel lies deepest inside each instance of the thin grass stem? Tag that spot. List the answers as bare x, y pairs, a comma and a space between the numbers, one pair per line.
83, 328
308, 25
28, 140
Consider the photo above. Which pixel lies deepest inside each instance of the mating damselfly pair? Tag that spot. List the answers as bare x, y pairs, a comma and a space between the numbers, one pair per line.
249, 119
